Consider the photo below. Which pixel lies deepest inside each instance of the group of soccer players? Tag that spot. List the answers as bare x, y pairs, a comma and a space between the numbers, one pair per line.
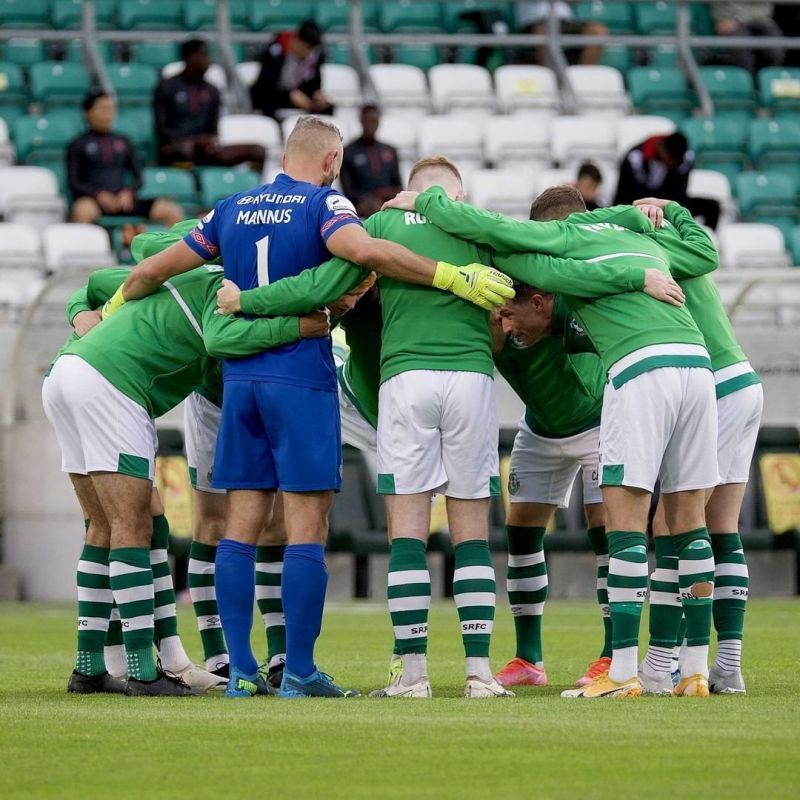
613, 335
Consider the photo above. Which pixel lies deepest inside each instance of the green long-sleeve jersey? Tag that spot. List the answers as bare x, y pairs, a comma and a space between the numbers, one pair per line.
159, 349
605, 245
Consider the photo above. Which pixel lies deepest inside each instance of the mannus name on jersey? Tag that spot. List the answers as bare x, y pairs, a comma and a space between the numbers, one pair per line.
265, 234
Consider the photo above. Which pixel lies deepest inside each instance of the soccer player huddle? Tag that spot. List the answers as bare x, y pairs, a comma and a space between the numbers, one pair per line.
608, 326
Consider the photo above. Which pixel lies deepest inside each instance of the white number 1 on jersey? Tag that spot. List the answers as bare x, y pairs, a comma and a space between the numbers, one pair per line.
262, 248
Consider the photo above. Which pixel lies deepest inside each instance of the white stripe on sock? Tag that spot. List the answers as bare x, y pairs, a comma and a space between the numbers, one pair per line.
411, 631
162, 584
208, 622
158, 556
410, 603
526, 559
694, 567
527, 610
602, 561
730, 592
274, 619
476, 626
137, 623
87, 595
478, 572
92, 568
271, 567
664, 599
268, 592
627, 569
736, 570
403, 577
92, 624
618, 595
602, 583
133, 594
200, 593
526, 584
665, 575
114, 614
162, 612
464, 599
201, 567
121, 568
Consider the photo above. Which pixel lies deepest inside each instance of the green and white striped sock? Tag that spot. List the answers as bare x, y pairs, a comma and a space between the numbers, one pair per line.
526, 583
204, 601
599, 542
695, 569
731, 585
269, 569
132, 585
409, 594
627, 589
94, 609
475, 594
666, 610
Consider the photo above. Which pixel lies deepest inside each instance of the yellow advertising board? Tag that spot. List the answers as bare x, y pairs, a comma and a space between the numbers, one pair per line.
780, 476
172, 481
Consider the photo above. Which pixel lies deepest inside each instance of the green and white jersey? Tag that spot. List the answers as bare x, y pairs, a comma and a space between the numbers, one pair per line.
596, 261
563, 394
159, 349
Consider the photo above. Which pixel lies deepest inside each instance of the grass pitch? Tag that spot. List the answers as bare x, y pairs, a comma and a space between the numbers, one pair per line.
57, 746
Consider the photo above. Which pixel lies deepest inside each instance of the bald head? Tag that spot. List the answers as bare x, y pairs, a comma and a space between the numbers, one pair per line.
436, 171
313, 151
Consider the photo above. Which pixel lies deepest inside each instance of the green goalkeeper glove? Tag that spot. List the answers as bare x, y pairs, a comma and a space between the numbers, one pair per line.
483, 286
114, 304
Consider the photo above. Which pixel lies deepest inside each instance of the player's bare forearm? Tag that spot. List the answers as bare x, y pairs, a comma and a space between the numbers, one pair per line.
232, 337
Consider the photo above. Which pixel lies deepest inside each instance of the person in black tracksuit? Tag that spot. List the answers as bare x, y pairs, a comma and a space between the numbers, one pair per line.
103, 172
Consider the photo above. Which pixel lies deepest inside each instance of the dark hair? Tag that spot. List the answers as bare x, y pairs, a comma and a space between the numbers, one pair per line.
192, 47
676, 145
92, 97
557, 202
309, 33
590, 171
367, 107
523, 291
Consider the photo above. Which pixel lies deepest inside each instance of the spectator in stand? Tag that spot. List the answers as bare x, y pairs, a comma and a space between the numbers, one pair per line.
290, 74
660, 167
746, 19
588, 183
370, 169
187, 115
532, 18
103, 172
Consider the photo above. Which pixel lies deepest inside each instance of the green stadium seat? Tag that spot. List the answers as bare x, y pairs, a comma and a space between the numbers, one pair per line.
423, 56
454, 22
156, 54
152, 14
137, 124
617, 56
339, 53
656, 90
333, 16
616, 17
24, 52
202, 14
168, 182
280, 15
780, 88
217, 183
794, 245
44, 138
58, 82
133, 83
663, 55
12, 86
66, 14
768, 197
701, 22
404, 15
774, 143
731, 89
719, 144
24, 13
657, 17
74, 51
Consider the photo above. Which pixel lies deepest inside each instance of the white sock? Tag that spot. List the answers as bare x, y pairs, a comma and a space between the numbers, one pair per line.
173, 656
729, 655
415, 668
658, 662
478, 668
116, 660
676, 659
217, 662
694, 661
280, 658
623, 664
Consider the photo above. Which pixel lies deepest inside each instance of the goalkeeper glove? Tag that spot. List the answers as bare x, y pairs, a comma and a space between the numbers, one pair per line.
483, 286
113, 305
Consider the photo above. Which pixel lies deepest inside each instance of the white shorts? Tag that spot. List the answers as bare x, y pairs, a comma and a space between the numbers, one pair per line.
438, 430
99, 429
739, 418
200, 428
660, 424
356, 431
543, 470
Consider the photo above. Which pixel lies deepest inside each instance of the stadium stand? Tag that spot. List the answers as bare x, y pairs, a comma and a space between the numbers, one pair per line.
75, 246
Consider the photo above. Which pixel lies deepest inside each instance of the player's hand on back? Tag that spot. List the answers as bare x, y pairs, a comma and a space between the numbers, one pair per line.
483, 286
652, 208
84, 321
228, 298
315, 325
663, 287
403, 200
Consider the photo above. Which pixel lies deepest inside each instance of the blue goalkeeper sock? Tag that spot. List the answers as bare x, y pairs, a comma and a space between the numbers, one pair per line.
305, 580
235, 577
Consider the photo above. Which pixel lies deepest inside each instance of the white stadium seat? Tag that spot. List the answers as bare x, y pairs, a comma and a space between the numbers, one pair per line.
519, 139
253, 129
598, 90
74, 246
752, 244
526, 88
461, 88
215, 74
575, 139
716, 186
248, 72
340, 82
19, 286
553, 177
454, 136
21, 247
400, 132
346, 125
401, 86
30, 195
508, 192
634, 130
6, 148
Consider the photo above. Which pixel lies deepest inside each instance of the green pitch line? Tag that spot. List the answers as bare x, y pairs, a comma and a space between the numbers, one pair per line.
535, 746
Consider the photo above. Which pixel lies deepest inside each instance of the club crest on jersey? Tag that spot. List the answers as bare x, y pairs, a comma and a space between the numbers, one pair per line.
338, 204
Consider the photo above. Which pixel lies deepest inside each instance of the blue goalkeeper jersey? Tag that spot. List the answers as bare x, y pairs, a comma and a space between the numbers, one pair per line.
271, 232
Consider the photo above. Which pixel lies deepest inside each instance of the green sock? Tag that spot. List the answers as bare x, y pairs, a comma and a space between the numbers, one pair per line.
94, 609
166, 619
409, 594
132, 584
204, 599
269, 568
730, 598
666, 611
627, 588
599, 542
474, 592
526, 583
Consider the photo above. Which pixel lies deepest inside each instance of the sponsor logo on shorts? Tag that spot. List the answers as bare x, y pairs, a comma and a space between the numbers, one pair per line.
513, 482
